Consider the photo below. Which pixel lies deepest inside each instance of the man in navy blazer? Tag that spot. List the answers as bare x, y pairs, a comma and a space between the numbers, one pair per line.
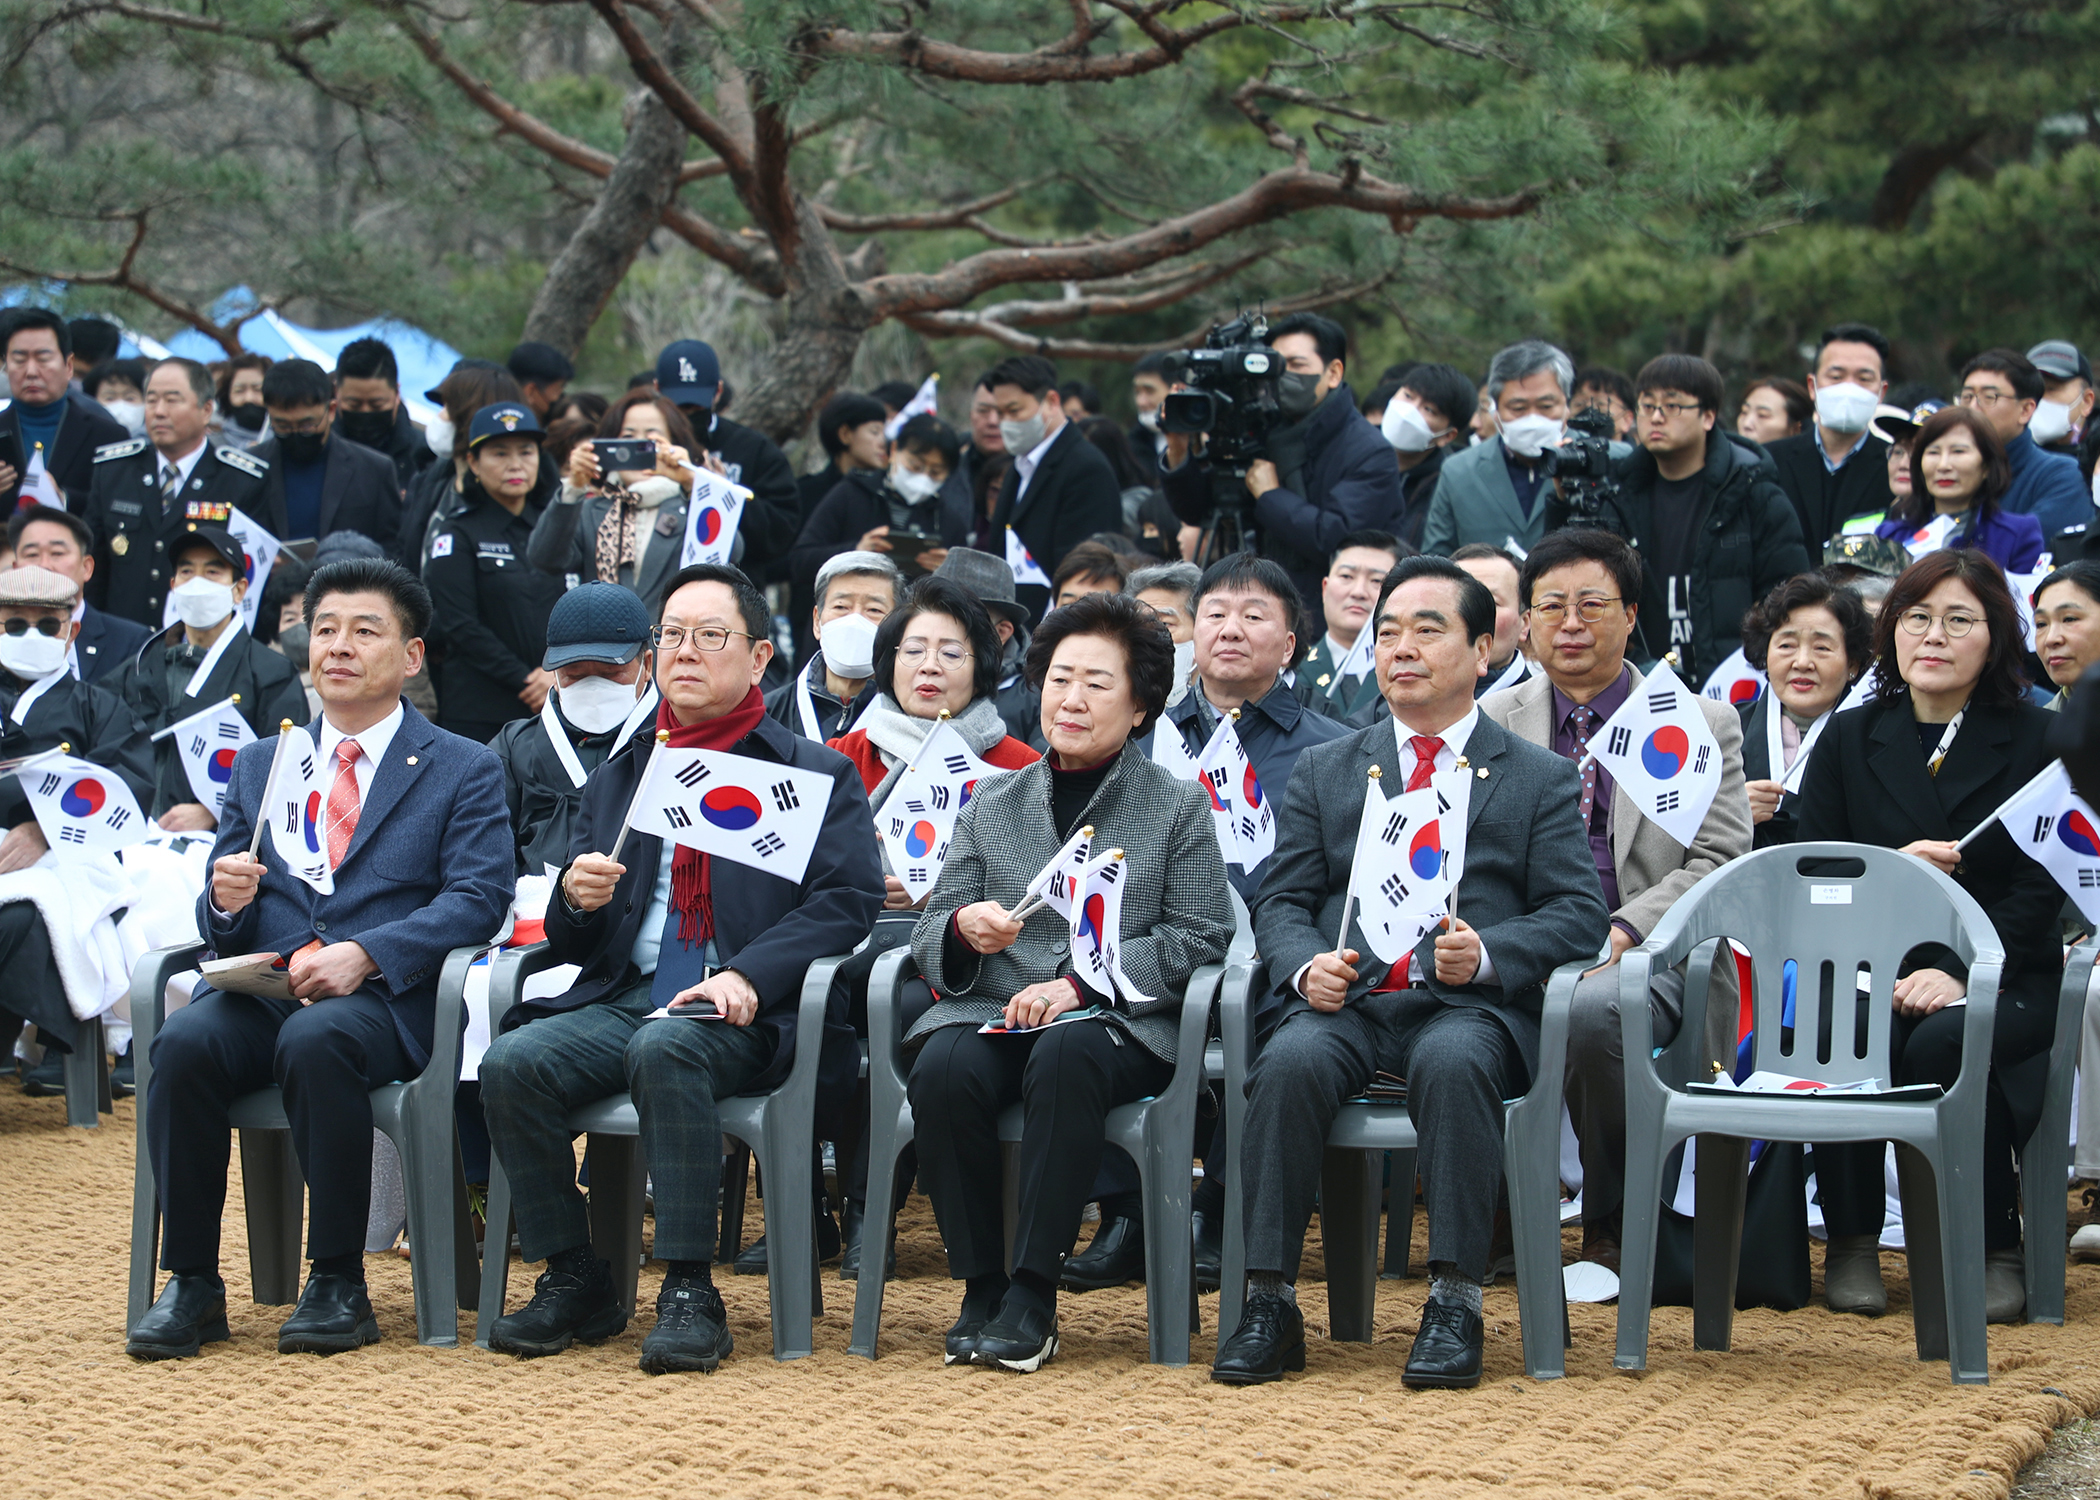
667, 926
419, 836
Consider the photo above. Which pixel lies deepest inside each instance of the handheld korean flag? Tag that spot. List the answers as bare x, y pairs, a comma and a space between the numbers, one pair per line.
83, 808
2057, 830
1239, 807
917, 820
1172, 752
757, 813
1022, 561
1658, 748
1402, 875
711, 516
1097, 929
295, 808
2023, 586
262, 550
207, 741
1361, 658
1052, 886
1930, 537
1734, 682
38, 487
925, 399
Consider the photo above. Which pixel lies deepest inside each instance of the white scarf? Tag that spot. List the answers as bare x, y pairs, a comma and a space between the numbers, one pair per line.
1789, 777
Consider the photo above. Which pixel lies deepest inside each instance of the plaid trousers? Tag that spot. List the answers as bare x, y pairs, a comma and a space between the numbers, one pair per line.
531, 1079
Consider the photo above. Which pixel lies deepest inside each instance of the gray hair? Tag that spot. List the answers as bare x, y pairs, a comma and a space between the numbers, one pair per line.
872, 563
1181, 577
1528, 358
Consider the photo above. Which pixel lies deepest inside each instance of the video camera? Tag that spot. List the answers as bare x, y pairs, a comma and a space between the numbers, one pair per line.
1231, 399
1582, 464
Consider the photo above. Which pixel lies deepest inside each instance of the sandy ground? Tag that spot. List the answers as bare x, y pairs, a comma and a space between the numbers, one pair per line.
1805, 1404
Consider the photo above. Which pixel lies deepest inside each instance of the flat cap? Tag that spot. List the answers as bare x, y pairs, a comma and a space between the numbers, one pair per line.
37, 588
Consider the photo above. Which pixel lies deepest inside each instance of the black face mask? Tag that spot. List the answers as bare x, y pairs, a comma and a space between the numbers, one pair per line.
1296, 394
249, 415
372, 428
302, 447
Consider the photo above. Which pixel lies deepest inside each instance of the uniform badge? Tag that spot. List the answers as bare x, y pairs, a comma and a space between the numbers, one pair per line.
120, 544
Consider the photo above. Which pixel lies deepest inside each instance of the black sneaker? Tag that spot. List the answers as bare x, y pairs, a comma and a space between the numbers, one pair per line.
47, 1080
692, 1328
123, 1082
565, 1307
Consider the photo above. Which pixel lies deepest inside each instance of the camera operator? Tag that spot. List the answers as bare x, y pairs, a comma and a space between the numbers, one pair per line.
1489, 495
1707, 512
1327, 471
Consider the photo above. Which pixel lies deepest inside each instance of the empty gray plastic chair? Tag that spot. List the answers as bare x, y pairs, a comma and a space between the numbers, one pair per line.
1158, 1133
1351, 1173
1833, 926
2045, 1161
416, 1115
779, 1127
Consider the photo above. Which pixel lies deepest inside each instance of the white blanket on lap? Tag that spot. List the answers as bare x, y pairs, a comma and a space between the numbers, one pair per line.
155, 886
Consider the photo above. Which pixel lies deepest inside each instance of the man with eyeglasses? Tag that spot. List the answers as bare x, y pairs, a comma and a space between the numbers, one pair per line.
36, 349
151, 493
1707, 513
1579, 591
665, 925
43, 705
2006, 389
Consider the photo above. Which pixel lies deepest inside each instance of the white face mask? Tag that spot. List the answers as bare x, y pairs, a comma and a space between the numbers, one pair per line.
201, 603
1406, 428
913, 485
2051, 422
1528, 437
596, 705
1184, 659
32, 654
438, 432
849, 645
131, 413
1149, 420
1021, 438
1845, 407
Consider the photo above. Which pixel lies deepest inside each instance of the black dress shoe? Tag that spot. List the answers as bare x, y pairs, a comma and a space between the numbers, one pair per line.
1209, 1263
334, 1316
1446, 1355
692, 1329
1022, 1340
1269, 1340
123, 1082
47, 1080
190, 1312
850, 1229
1116, 1255
751, 1260
565, 1307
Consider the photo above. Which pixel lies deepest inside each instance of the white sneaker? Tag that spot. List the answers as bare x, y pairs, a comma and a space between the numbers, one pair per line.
2085, 1244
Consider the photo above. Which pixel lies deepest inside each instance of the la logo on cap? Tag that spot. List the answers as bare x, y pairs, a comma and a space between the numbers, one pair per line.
685, 369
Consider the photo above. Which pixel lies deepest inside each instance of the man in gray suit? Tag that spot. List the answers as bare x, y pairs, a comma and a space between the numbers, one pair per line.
1460, 1020
1578, 590
1493, 491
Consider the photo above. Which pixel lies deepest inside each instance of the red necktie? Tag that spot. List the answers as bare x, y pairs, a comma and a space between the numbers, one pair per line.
1425, 747
342, 802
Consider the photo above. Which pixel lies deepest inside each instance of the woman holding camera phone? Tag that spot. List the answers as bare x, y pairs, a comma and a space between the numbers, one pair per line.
623, 525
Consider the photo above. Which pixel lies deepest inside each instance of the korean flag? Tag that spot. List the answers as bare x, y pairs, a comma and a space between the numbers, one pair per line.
917, 820
711, 516
1097, 929
1660, 751
1735, 681
1409, 854
757, 813
2054, 828
1022, 561
295, 805
207, 743
81, 807
1239, 804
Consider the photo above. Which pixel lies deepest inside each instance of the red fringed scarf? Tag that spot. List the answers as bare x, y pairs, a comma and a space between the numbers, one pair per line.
692, 896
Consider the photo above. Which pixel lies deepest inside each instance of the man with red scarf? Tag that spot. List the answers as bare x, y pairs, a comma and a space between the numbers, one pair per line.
663, 926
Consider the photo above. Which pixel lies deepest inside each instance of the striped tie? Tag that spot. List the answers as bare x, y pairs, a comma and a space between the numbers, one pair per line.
343, 805
170, 487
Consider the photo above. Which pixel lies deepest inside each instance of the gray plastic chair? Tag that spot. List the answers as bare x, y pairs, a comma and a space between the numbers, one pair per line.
779, 1127
87, 1076
1832, 926
417, 1117
1352, 1171
1159, 1134
2045, 1161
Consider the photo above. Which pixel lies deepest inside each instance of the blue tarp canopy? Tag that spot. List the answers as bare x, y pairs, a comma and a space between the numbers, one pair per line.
424, 360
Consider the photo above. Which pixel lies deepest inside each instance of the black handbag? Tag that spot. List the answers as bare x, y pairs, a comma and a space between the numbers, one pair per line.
1773, 1270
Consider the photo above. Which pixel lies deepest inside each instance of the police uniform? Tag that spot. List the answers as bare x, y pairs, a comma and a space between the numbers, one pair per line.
135, 530
488, 604
153, 685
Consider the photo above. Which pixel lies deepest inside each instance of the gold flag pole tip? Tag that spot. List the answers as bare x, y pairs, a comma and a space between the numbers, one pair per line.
283, 724
663, 736
236, 698
1376, 774
1114, 855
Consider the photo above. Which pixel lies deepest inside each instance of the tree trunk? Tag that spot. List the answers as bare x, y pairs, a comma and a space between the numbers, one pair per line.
1910, 176
595, 260
827, 316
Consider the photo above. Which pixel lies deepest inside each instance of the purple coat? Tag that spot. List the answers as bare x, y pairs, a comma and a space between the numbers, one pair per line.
2011, 540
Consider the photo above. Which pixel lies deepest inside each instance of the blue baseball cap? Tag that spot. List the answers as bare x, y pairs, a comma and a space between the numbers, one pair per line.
504, 419
596, 621
687, 373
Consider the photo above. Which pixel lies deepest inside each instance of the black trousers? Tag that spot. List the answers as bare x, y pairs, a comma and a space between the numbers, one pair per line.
1459, 1063
1849, 1176
31, 989
1066, 1079
327, 1057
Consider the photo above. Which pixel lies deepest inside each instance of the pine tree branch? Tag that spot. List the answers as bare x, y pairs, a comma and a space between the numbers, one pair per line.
648, 65
125, 278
